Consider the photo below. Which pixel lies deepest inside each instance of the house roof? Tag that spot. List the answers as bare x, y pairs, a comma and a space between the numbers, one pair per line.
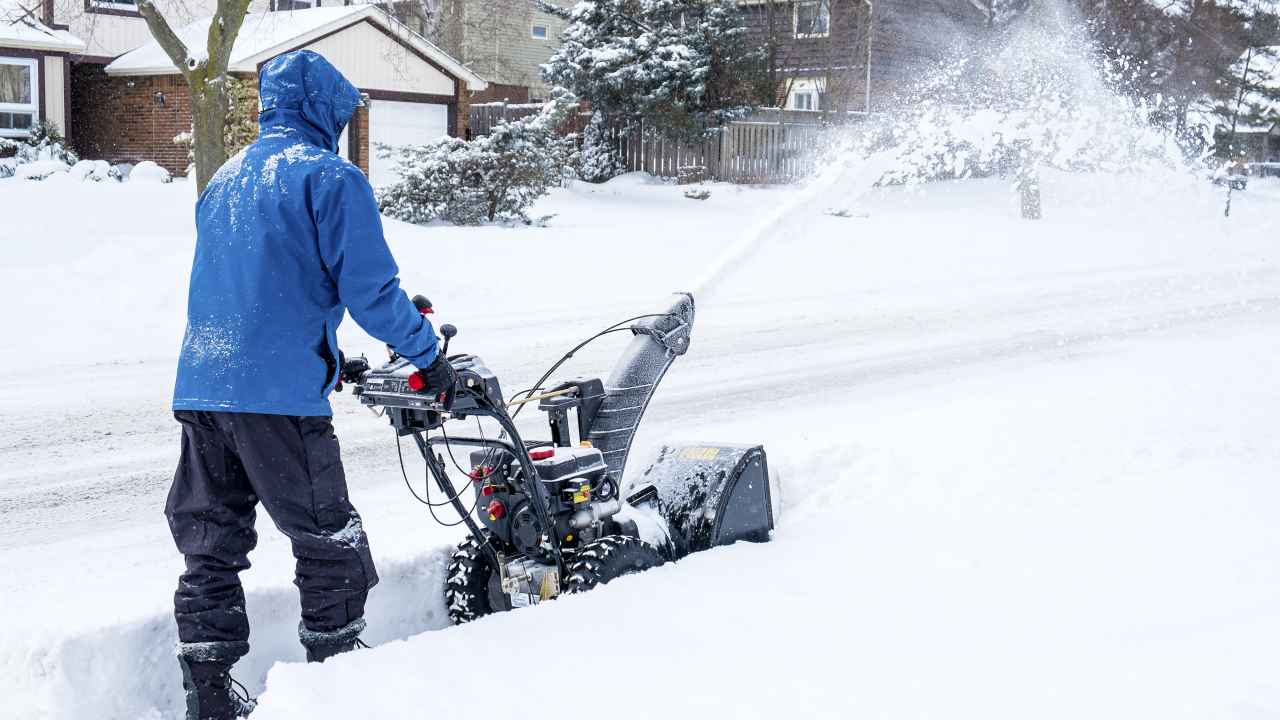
265, 35
20, 27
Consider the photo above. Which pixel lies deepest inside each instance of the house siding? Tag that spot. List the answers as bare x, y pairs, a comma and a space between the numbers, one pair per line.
494, 39
55, 92
907, 37
372, 60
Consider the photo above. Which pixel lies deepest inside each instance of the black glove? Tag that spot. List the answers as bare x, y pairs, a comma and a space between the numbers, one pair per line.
353, 369
439, 381
350, 371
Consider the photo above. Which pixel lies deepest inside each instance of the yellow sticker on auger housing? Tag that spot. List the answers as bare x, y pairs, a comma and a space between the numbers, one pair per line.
699, 453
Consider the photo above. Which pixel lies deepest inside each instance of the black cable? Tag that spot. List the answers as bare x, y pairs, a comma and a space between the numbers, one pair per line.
427, 482
405, 475
616, 327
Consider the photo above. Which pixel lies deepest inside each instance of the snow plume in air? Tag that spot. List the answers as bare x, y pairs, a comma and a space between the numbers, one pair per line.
1034, 95
1029, 96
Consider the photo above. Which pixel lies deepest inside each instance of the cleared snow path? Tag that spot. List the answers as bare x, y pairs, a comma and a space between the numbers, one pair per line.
1025, 456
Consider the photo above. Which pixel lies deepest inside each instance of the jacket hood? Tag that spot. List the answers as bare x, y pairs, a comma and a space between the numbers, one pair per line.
302, 91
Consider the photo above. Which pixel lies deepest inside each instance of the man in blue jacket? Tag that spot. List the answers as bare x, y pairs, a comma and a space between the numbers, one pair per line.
288, 239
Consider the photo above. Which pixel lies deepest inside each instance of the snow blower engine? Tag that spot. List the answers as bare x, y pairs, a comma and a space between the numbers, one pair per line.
552, 516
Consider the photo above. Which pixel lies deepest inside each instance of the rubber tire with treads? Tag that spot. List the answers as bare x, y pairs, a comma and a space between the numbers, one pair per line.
609, 558
466, 586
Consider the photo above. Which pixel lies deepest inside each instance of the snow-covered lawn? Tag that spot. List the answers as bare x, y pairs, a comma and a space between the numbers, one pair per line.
1029, 468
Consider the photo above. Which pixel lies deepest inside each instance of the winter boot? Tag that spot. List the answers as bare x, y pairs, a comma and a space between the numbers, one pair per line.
324, 644
206, 677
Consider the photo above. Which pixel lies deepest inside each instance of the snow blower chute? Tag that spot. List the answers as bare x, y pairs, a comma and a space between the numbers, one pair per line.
550, 516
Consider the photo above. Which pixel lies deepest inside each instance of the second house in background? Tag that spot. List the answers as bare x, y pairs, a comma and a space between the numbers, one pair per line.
506, 41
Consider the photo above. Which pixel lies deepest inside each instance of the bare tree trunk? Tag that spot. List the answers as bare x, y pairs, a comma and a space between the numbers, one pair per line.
209, 114
206, 78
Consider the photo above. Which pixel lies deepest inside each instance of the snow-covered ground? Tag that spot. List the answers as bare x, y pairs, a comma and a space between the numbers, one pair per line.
1028, 468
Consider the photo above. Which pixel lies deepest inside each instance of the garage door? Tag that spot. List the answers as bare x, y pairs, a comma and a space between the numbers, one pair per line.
402, 123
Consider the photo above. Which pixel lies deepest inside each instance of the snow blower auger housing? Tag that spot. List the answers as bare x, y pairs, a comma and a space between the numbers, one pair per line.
548, 516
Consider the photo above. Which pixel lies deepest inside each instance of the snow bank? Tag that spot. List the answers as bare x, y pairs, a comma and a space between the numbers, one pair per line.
126, 667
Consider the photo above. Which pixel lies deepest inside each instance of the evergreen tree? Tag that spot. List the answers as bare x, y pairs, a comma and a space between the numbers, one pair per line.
683, 65
1183, 55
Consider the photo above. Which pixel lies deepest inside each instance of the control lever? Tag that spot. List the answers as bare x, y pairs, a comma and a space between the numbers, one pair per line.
448, 331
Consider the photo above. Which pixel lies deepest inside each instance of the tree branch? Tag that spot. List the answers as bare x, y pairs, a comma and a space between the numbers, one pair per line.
551, 8
223, 31
166, 37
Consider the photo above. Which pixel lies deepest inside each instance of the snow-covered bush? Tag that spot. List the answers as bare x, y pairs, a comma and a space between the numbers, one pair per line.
493, 177
40, 169
94, 170
147, 171
45, 143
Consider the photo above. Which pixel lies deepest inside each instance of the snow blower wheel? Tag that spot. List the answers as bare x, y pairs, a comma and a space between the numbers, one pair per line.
609, 558
469, 590
549, 516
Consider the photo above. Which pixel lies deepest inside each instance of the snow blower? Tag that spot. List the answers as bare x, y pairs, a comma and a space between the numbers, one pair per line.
547, 517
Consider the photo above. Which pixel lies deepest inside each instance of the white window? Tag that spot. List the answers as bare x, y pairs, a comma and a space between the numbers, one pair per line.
125, 5
805, 94
19, 96
538, 32
812, 19
287, 5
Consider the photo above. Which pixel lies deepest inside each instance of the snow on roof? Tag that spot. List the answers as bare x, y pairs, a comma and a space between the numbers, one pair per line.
265, 35
20, 27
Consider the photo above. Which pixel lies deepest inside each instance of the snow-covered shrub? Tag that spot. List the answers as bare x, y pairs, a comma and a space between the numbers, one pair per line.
149, 172
94, 170
41, 169
493, 177
599, 161
45, 143
42, 153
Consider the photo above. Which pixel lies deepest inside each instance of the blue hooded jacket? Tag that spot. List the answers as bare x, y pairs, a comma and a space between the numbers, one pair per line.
288, 238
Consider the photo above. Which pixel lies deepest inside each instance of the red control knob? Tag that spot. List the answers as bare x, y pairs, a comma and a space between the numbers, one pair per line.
416, 383
497, 510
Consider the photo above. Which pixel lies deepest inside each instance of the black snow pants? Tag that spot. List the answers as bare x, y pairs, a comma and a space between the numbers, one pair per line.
230, 462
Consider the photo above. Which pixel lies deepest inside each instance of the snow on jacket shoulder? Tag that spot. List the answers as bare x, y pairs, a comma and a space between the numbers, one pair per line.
288, 239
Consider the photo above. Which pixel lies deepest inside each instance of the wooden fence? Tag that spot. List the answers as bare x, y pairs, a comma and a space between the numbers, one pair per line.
482, 118
741, 152
771, 146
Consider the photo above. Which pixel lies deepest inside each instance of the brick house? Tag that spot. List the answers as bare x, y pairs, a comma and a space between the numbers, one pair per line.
124, 101
841, 55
